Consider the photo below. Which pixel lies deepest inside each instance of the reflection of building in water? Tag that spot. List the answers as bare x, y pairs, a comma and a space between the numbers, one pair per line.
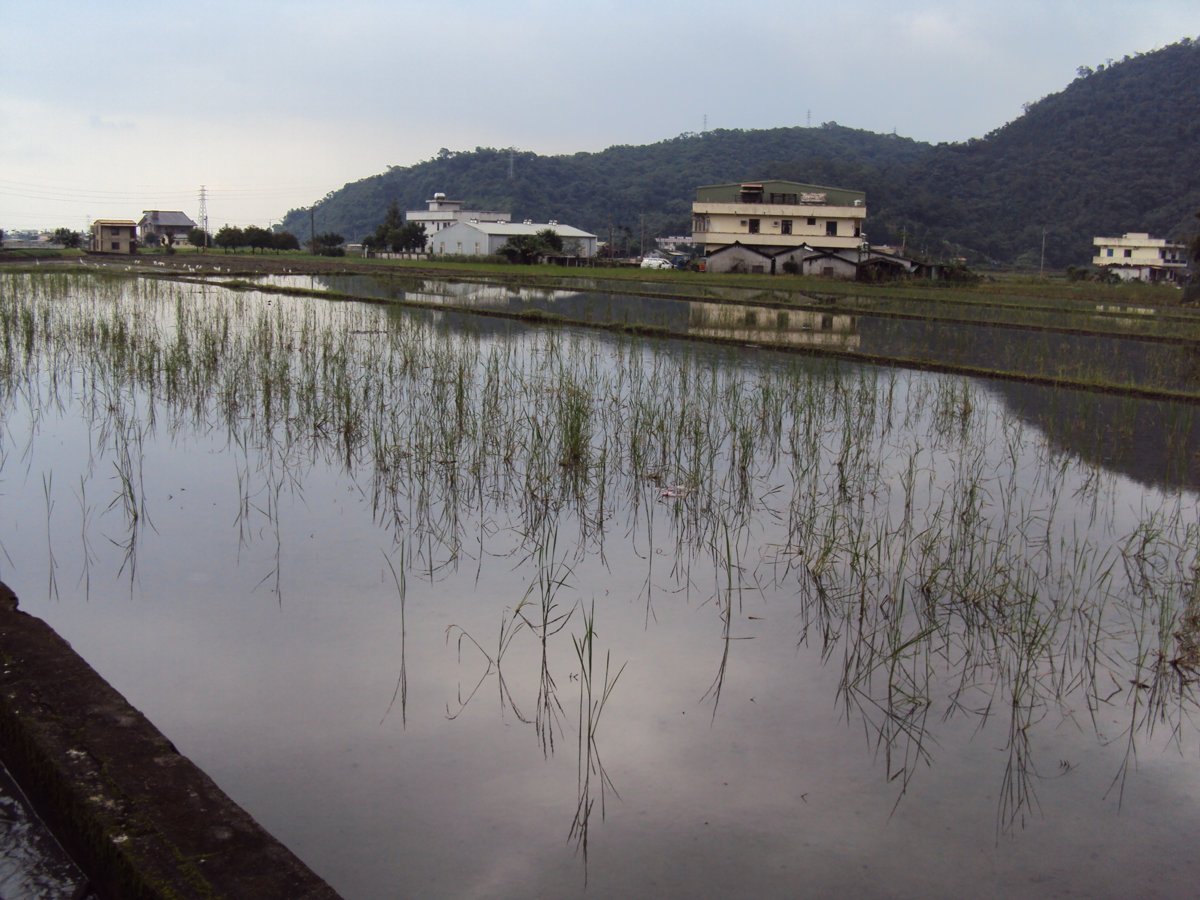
487, 296
782, 327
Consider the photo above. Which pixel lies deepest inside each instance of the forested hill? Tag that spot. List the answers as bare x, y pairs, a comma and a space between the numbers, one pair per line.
1117, 150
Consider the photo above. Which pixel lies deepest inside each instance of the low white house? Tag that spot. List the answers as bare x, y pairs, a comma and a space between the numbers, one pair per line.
486, 238
1135, 256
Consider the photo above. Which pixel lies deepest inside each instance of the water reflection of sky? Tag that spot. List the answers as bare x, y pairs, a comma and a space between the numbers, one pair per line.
262, 631
1035, 342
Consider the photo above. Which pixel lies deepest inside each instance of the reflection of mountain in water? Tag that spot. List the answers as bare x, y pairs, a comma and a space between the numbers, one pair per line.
1154, 442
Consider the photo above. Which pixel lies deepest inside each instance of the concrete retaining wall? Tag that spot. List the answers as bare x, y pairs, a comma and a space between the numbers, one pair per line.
139, 818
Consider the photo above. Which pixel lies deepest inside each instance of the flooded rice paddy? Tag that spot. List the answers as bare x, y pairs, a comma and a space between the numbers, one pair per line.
1149, 352
465, 606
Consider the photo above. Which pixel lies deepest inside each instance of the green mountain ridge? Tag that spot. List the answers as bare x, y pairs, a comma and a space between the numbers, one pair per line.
1117, 150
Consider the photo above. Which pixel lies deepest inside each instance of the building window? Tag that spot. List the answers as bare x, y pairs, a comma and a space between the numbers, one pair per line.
115, 245
831, 229
812, 221
754, 226
785, 227
1128, 253
1108, 252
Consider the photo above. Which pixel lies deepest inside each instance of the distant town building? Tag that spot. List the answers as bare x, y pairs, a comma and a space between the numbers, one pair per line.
159, 226
486, 238
443, 213
673, 243
1136, 256
114, 236
778, 215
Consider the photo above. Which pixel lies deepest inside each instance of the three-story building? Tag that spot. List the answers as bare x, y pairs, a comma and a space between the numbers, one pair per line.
772, 216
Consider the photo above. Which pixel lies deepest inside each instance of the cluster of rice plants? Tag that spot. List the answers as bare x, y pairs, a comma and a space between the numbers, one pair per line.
948, 560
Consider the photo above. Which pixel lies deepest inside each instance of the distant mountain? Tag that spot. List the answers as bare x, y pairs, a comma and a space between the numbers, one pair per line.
1117, 150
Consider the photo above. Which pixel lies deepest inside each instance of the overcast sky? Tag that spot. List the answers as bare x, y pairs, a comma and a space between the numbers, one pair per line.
107, 109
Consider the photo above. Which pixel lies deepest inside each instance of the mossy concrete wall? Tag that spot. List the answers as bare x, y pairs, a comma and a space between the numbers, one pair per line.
138, 817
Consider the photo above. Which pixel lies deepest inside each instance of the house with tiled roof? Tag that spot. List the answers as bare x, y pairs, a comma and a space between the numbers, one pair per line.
158, 226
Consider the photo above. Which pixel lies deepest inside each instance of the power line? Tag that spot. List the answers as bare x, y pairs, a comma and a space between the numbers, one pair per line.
146, 193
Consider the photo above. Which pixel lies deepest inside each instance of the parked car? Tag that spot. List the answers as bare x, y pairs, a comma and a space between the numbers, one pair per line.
656, 262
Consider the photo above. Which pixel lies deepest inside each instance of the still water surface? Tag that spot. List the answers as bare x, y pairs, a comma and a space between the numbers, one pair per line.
471, 608
1148, 349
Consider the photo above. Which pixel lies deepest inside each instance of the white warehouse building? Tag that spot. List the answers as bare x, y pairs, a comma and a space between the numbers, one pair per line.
486, 238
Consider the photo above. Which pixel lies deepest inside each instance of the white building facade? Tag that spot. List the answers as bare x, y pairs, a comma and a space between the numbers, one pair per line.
777, 215
443, 213
1135, 256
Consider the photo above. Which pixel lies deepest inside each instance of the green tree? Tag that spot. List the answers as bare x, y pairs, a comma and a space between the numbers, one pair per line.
411, 238
198, 237
523, 248
329, 244
1, 237
284, 240
394, 234
256, 238
67, 238
393, 221
551, 240
230, 237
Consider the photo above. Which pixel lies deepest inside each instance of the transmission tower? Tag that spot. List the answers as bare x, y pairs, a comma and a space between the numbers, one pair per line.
204, 214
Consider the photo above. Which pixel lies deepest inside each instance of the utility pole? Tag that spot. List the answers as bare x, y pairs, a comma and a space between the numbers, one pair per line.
312, 228
204, 214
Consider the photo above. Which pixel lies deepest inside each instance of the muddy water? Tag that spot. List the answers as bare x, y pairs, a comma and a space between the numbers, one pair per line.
462, 608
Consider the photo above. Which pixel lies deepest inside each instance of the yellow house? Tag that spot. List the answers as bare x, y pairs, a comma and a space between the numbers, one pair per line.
1136, 256
114, 236
777, 215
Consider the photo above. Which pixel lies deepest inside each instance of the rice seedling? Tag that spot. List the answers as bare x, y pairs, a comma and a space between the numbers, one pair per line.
947, 555
595, 689
401, 690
